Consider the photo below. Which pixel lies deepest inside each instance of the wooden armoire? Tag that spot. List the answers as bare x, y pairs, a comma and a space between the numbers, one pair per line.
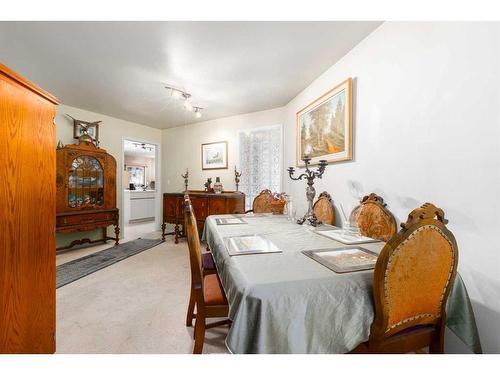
27, 216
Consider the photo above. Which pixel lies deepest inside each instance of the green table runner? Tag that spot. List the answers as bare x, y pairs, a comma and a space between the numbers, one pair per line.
288, 303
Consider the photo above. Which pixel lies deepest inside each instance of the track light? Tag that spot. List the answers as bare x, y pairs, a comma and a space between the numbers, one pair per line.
188, 105
176, 94
180, 94
197, 112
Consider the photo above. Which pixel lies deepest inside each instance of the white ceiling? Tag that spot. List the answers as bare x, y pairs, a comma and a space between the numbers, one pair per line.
120, 68
134, 149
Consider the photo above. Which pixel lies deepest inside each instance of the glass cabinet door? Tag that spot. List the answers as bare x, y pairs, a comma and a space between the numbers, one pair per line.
86, 182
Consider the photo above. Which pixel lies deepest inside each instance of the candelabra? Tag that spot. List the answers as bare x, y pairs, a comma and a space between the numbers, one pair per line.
237, 176
185, 176
310, 191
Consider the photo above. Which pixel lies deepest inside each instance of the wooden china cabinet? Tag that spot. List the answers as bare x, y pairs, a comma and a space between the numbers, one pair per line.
86, 191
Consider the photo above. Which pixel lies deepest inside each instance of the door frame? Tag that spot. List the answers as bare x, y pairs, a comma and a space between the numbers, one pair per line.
157, 180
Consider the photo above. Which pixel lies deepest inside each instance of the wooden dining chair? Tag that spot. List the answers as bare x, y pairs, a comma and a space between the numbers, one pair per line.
374, 219
262, 203
208, 263
207, 294
324, 210
412, 279
207, 268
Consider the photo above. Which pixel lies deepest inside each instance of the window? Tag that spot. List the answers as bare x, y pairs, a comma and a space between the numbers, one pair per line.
137, 175
260, 161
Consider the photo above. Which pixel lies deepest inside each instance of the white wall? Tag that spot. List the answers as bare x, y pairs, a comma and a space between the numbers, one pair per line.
182, 147
111, 133
426, 128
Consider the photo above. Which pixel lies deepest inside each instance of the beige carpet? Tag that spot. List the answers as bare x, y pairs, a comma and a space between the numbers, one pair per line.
137, 305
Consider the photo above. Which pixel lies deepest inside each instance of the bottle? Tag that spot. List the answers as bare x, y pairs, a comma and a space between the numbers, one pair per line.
217, 186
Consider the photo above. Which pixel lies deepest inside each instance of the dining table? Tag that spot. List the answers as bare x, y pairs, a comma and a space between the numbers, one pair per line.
286, 302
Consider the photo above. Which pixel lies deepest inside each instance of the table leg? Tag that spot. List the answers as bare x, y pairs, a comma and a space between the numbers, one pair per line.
117, 234
163, 227
104, 234
177, 233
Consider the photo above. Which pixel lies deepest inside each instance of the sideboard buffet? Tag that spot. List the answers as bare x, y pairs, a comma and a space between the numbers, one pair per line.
204, 204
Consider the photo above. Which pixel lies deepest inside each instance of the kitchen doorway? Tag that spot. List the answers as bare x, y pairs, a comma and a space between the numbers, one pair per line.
140, 189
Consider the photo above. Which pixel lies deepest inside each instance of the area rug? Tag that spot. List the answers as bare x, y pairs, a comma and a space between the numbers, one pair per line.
81, 267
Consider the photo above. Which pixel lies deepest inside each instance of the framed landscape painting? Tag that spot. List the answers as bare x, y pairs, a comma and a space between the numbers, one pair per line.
324, 127
214, 155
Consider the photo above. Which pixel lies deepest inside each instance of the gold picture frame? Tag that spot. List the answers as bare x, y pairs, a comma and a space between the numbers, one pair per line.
324, 127
214, 155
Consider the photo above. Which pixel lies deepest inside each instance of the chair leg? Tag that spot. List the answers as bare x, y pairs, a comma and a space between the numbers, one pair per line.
199, 333
436, 347
190, 311
218, 324
437, 343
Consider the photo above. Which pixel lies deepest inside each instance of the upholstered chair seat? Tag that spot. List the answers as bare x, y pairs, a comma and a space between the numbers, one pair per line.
212, 291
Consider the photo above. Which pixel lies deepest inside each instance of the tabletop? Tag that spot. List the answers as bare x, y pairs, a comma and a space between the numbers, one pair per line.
288, 303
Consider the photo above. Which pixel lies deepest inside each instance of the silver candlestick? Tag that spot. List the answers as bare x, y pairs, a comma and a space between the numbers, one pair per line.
310, 191
237, 176
185, 176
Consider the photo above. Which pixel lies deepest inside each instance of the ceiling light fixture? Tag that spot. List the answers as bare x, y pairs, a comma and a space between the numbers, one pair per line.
197, 112
143, 146
183, 95
188, 105
176, 94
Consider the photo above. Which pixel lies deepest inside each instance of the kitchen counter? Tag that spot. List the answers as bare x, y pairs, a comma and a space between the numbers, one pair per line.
139, 205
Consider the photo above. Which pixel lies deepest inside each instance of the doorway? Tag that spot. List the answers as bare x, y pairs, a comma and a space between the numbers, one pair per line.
140, 189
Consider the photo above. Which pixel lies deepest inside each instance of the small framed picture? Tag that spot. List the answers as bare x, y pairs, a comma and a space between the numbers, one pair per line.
230, 221
92, 129
346, 259
214, 155
250, 244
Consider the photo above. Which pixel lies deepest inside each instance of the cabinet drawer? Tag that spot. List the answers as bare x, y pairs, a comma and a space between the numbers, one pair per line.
84, 218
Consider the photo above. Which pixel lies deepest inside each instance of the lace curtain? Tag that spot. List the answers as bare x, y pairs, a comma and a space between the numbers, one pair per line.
260, 163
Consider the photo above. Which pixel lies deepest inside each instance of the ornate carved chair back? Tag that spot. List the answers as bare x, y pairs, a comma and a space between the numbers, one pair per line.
414, 275
374, 219
324, 210
262, 202
193, 243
